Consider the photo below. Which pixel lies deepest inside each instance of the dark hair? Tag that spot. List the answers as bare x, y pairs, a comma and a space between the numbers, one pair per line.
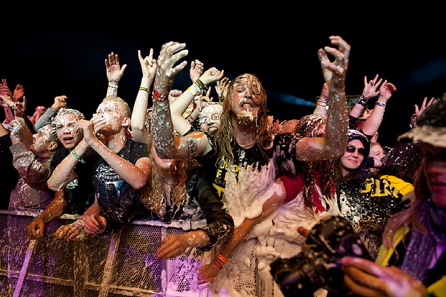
402, 161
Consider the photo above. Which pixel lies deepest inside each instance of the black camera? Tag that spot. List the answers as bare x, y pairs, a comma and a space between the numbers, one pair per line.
318, 266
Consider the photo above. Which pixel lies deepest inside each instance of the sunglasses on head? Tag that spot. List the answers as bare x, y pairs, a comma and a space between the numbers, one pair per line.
352, 149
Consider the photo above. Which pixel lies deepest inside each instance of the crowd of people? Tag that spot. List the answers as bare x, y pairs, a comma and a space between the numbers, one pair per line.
259, 183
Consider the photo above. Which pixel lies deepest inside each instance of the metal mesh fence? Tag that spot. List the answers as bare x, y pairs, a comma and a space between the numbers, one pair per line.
124, 264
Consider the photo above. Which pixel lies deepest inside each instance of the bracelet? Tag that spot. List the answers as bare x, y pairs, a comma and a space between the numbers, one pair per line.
383, 104
190, 91
363, 100
77, 157
201, 86
143, 89
321, 103
114, 87
217, 264
157, 95
39, 217
221, 257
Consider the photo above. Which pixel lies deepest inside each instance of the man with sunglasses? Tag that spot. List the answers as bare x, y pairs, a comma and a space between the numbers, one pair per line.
366, 200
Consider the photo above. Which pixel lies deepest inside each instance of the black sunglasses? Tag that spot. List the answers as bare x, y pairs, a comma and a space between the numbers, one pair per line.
352, 149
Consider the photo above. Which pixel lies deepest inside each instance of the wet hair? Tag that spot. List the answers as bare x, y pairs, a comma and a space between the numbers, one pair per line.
403, 161
64, 111
224, 135
123, 105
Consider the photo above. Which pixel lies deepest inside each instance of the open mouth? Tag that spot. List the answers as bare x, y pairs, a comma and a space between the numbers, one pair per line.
68, 139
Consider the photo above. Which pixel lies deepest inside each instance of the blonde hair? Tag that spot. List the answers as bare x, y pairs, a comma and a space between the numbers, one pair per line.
123, 105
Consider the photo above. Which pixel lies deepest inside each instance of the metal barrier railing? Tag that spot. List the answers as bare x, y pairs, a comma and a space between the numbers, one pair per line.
124, 264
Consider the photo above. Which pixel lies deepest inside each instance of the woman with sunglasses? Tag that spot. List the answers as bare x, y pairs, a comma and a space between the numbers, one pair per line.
365, 199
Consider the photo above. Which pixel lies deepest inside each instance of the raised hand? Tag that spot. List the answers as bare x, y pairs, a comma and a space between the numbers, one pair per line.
222, 87
196, 69
419, 111
113, 68
148, 64
371, 87
211, 75
341, 55
166, 70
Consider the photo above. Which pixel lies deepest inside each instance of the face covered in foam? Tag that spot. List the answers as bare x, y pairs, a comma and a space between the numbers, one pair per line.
248, 97
209, 117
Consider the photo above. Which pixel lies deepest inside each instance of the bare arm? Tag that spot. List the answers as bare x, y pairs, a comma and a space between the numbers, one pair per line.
166, 144
333, 144
139, 113
372, 123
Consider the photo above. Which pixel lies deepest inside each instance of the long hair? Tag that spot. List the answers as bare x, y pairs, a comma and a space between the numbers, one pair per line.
224, 136
409, 217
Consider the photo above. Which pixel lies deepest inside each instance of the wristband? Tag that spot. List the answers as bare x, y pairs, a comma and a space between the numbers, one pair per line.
383, 104
157, 95
39, 217
321, 103
77, 157
221, 257
217, 264
143, 89
191, 91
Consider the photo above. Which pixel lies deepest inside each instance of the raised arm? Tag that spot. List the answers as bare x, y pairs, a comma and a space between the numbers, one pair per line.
59, 102
167, 145
114, 73
372, 123
139, 113
178, 107
331, 146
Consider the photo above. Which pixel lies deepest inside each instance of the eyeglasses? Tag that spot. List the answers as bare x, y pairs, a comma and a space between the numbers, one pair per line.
352, 149
214, 116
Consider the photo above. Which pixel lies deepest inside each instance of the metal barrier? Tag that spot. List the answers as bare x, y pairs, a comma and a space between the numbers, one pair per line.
124, 264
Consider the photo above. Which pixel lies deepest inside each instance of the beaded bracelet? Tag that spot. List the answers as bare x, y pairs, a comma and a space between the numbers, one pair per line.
383, 104
77, 157
39, 217
221, 257
157, 95
114, 87
143, 89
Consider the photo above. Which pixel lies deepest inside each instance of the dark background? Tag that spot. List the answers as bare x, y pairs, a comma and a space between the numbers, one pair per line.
59, 50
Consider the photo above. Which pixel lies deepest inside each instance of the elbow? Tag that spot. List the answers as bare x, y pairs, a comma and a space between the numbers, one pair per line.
139, 184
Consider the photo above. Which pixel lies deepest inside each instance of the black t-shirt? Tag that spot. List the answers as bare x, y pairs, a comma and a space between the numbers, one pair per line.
282, 155
119, 202
79, 193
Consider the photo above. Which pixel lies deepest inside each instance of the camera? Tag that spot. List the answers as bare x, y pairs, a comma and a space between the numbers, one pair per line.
318, 266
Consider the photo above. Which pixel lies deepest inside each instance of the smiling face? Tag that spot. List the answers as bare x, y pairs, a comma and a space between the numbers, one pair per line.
377, 153
209, 117
353, 156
